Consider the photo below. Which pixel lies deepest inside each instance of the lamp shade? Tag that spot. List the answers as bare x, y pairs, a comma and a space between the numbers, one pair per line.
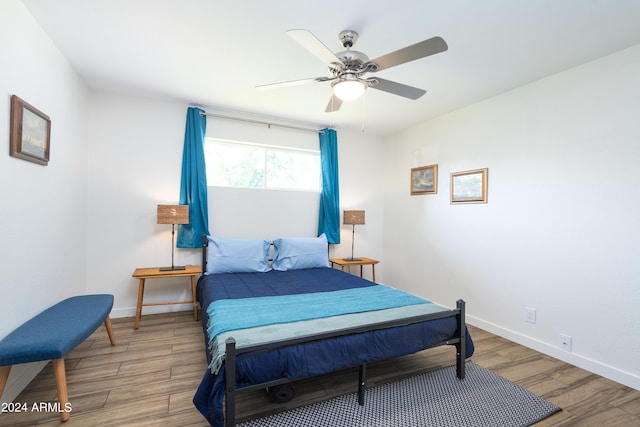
173, 214
353, 217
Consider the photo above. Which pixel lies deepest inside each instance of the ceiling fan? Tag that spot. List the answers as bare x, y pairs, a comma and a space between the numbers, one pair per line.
347, 68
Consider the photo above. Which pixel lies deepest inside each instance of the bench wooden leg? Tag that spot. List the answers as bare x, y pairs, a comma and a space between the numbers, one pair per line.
61, 385
4, 375
107, 324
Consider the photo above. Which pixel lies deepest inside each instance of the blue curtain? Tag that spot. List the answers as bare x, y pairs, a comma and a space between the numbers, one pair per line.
193, 185
329, 218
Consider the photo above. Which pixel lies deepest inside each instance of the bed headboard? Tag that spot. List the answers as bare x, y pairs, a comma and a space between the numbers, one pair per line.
205, 245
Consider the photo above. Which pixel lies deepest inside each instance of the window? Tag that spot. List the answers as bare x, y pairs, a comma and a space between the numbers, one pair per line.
237, 164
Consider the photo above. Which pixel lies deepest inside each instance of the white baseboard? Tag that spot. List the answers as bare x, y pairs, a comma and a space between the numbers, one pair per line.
575, 359
154, 309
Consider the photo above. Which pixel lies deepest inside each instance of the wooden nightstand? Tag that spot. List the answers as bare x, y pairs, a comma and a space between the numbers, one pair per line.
361, 262
142, 274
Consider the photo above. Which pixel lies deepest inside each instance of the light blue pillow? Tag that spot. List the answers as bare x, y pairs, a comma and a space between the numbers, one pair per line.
295, 253
237, 255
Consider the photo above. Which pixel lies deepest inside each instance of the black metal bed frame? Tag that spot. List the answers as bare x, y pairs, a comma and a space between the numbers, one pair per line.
459, 340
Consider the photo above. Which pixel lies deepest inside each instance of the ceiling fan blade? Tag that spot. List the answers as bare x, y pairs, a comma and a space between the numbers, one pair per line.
310, 42
396, 88
411, 53
334, 104
293, 83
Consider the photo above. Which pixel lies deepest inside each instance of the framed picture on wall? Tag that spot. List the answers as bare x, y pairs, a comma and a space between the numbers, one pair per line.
469, 186
30, 132
424, 180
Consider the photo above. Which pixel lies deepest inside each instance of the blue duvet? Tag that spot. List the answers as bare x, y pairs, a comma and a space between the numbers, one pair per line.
323, 287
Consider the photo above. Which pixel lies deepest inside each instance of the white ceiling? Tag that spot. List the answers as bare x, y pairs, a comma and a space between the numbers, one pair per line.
212, 53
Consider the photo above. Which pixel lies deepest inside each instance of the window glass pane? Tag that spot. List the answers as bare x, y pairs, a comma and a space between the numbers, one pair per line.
235, 165
293, 170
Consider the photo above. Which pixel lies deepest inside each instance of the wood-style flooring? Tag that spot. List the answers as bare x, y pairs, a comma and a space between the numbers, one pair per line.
150, 376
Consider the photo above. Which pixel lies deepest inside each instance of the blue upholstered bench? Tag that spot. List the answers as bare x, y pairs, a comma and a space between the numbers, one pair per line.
52, 334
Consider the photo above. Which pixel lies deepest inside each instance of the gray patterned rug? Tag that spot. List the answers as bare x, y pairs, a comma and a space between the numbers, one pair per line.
436, 399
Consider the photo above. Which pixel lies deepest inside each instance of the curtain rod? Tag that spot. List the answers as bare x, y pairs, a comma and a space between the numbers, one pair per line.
264, 123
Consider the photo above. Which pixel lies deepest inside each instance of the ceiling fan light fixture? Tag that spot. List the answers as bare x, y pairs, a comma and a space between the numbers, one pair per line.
347, 69
349, 89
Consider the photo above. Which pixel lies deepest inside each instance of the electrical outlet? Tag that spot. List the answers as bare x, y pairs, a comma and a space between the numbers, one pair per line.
565, 342
530, 315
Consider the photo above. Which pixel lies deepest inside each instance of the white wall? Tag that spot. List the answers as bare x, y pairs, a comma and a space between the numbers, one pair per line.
559, 233
361, 162
259, 213
135, 157
43, 220
248, 213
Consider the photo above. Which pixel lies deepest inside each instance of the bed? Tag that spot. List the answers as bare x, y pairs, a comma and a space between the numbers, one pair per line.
273, 312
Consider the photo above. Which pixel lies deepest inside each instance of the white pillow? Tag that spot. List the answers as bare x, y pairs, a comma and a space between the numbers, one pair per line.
294, 253
237, 255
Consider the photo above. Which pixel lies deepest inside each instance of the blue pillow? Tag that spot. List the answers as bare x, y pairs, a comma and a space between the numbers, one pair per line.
294, 253
237, 255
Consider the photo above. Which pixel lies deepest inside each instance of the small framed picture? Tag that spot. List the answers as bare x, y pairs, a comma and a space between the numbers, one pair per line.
30, 132
424, 180
469, 186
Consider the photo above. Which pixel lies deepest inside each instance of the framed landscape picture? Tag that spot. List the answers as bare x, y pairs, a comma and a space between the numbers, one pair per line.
424, 180
469, 186
30, 132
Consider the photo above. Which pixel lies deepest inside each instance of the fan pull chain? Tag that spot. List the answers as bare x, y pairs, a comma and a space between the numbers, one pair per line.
331, 115
364, 105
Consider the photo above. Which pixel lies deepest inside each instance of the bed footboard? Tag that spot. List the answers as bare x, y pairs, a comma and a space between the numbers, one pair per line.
459, 340
461, 336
